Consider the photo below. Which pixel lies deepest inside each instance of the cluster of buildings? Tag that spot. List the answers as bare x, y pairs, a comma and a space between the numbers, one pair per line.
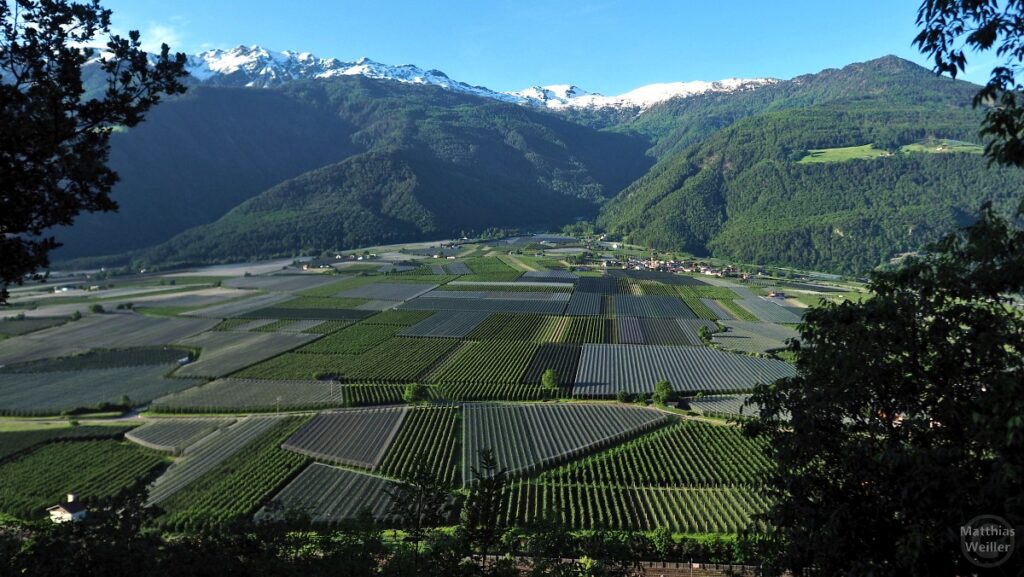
672, 266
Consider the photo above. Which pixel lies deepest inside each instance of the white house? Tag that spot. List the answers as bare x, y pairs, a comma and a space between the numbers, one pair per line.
70, 511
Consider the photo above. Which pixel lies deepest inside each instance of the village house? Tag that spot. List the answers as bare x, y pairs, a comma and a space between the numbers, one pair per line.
73, 510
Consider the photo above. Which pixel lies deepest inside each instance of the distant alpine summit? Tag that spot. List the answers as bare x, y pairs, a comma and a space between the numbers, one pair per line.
255, 66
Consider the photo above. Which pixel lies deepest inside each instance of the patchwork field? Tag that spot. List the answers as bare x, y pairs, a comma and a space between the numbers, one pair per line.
304, 377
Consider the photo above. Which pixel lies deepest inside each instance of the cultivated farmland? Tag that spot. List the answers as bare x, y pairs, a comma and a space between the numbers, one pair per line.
203, 456
768, 311
175, 435
253, 395
106, 331
355, 437
606, 369
387, 291
428, 433
331, 495
447, 324
225, 352
53, 392
14, 442
690, 509
564, 359
651, 306
526, 438
510, 327
235, 488
94, 469
585, 304
541, 307
487, 362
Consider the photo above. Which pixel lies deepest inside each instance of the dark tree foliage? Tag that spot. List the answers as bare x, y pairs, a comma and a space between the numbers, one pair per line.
948, 28
906, 419
54, 136
481, 512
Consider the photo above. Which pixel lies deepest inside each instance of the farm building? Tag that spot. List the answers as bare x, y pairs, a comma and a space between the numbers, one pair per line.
73, 510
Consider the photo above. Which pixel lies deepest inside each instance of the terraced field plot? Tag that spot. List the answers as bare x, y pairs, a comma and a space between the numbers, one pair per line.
105, 331
564, 359
53, 392
606, 369
94, 469
329, 314
717, 308
430, 433
511, 327
543, 307
236, 486
352, 340
725, 405
585, 304
18, 327
204, 456
447, 324
769, 312
526, 438
355, 437
662, 277
549, 276
396, 360
101, 359
175, 435
281, 283
239, 307
674, 332
14, 442
253, 395
651, 306
687, 510
226, 352
604, 285
331, 495
388, 291
754, 337
703, 455
516, 286
498, 295
487, 362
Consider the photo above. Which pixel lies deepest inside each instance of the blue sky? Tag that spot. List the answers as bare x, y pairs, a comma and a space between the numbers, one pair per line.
607, 46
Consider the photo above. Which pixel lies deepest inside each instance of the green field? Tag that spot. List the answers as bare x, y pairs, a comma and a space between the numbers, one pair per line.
843, 154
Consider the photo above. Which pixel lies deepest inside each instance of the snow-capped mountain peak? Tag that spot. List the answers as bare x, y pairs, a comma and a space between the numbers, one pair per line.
255, 66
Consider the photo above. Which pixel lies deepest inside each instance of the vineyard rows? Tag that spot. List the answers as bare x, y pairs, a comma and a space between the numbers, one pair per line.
253, 395
701, 455
321, 303
585, 304
388, 291
564, 359
174, 435
493, 362
50, 393
450, 324
549, 276
769, 312
237, 486
754, 337
510, 327
526, 438
223, 353
352, 341
606, 369
706, 292
492, 392
583, 330
700, 309
205, 455
651, 306
720, 310
92, 469
725, 406
355, 437
430, 433
542, 307
396, 317
459, 268
14, 442
100, 359
331, 495
688, 510
329, 314
604, 285
674, 332
516, 286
